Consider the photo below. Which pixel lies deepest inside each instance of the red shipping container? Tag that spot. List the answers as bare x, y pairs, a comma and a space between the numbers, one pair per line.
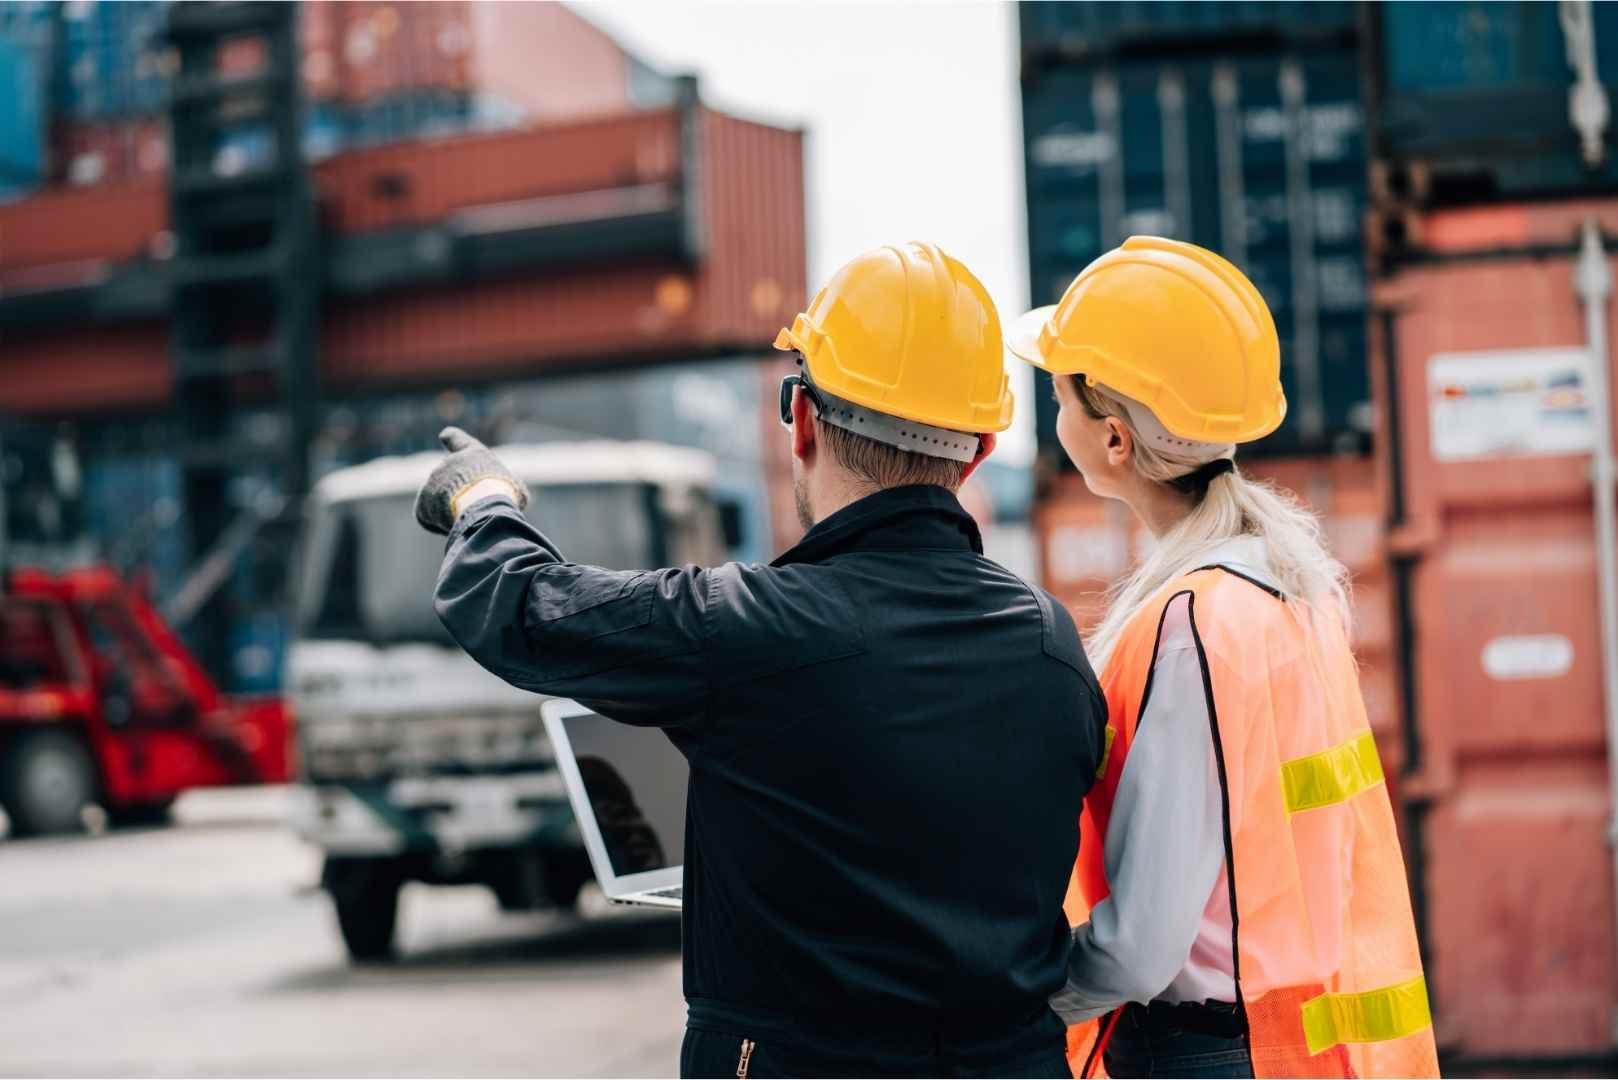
421, 183
541, 60
747, 283
1479, 378
750, 279
110, 223
110, 153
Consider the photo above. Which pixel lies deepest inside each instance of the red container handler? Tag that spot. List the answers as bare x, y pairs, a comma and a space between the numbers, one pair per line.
1477, 372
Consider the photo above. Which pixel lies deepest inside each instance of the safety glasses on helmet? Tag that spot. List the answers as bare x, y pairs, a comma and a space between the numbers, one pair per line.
809, 391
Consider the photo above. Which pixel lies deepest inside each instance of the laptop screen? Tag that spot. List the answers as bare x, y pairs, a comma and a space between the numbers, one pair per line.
635, 780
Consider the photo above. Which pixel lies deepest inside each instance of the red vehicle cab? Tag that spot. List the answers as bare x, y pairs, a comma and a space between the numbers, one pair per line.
100, 702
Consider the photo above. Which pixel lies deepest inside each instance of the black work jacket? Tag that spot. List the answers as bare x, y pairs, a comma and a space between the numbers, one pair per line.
890, 737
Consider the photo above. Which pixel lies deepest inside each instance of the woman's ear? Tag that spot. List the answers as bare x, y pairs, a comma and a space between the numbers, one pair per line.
1120, 442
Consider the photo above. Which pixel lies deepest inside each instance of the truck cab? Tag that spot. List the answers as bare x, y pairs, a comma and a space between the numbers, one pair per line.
417, 764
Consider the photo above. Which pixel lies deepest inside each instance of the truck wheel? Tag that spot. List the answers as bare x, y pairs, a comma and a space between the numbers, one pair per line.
366, 896
46, 781
141, 815
565, 875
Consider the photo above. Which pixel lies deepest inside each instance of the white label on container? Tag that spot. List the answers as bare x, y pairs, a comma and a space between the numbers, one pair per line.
1528, 656
1073, 149
1509, 403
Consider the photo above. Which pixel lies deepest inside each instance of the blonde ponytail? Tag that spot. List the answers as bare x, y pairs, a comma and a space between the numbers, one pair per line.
1228, 506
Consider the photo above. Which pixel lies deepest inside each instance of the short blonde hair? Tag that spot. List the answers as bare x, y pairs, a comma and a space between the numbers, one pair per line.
886, 466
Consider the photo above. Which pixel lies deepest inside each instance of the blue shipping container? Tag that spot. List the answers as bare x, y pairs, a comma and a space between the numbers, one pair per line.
1480, 92
112, 59
22, 117
1259, 157
1093, 27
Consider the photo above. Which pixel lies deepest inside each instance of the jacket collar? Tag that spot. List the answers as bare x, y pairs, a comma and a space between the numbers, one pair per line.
914, 517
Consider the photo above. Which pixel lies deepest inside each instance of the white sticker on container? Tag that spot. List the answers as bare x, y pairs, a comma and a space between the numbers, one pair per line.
1509, 403
1528, 656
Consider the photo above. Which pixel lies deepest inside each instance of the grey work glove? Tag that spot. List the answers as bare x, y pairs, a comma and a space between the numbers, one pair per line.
469, 462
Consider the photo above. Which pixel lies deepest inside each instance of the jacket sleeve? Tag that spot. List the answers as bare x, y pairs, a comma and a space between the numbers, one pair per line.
629, 644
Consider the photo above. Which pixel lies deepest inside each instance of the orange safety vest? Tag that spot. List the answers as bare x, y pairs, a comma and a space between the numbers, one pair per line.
1328, 972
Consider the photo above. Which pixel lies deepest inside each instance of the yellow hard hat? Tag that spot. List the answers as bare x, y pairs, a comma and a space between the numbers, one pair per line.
1172, 326
909, 332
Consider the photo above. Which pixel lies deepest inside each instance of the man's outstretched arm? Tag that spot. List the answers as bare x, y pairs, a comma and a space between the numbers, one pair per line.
628, 643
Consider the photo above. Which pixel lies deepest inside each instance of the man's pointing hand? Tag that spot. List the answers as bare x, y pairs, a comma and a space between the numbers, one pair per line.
471, 472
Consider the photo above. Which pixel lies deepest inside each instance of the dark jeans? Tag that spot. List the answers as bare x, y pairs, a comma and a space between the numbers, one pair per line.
1186, 1040
1038, 1053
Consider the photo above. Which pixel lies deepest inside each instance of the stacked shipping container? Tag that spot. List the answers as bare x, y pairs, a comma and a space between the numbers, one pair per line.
1482, 364
1257, 154
1470, 534
682, 333
373, 72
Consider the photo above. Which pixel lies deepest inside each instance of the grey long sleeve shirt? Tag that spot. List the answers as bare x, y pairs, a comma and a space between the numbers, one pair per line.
1165, 930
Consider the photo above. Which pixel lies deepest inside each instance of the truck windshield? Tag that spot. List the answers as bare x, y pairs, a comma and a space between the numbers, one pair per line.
369, 569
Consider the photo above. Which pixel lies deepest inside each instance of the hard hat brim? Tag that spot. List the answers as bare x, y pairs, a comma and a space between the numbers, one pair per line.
1022, 337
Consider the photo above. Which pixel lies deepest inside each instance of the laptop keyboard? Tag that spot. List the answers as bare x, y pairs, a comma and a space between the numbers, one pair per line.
676, 893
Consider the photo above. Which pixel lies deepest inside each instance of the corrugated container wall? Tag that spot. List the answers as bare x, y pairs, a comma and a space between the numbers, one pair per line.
1474, 100
749, 280
1259, 156
1482, 373
1086, 28
374, 73
22, 119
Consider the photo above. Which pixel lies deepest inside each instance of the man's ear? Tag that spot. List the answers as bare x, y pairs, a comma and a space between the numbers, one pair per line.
986, 444
803, 425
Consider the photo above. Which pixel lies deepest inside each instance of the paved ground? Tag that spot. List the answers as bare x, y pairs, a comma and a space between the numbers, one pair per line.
203, 949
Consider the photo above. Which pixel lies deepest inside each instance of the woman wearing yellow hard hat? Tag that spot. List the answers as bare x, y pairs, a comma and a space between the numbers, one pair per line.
1247, 913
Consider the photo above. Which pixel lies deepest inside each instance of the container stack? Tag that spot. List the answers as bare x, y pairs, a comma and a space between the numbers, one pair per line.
1493, 163
614, 265
373, 73
1240, 127
1427, 195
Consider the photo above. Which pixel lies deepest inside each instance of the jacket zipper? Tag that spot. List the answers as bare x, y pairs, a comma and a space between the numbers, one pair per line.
747, 1055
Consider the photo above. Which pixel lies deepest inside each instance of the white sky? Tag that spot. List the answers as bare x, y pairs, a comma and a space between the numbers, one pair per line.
911, 109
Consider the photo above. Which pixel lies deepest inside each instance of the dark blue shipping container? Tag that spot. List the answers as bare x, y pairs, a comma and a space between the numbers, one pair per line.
1479, 93
1088, 28
22, 116
1258, 156
26, 41
111, 59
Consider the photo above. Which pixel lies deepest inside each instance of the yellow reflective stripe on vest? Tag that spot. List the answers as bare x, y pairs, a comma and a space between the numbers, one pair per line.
1106, 751
1374, 1016
1332, 776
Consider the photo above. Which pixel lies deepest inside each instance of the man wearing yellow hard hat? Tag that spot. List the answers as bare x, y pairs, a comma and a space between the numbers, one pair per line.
889, 735
1246, 911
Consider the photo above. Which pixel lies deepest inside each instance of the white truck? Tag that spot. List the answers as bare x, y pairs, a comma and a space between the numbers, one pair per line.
416, 763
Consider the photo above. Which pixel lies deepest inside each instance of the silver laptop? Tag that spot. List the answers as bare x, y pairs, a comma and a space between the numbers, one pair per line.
627, 787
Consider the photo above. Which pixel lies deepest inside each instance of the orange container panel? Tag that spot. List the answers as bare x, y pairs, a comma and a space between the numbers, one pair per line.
746, 186
123, 367
1481, 384
418, 184
748, 283
112, 223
